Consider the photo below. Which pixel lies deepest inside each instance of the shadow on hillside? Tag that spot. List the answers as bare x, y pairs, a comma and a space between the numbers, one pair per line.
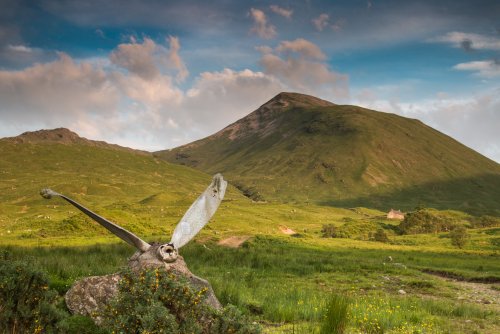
478, 196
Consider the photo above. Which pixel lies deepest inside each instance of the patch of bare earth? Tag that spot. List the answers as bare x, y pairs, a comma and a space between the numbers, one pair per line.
478, 293
233, 242
286, 230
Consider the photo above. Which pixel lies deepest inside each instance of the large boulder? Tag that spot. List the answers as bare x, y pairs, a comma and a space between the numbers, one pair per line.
90, 295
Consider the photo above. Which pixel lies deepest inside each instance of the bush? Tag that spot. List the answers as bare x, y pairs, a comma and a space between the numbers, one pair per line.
26, 303
157, 301
425, 221
459, 236
381, 236
486, 221
329, 231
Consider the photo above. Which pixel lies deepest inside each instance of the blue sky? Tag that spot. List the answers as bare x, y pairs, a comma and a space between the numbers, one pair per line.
156, 74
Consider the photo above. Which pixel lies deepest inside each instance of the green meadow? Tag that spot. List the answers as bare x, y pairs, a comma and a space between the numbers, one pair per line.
281, 270
285, 281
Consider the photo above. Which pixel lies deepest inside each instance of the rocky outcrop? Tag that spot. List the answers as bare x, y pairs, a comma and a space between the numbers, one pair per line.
90, 295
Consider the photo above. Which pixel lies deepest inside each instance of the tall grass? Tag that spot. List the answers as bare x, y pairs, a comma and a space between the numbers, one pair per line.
335, 318
283, 281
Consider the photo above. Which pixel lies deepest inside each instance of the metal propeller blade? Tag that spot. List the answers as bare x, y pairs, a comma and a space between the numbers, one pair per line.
120, 232
200, 212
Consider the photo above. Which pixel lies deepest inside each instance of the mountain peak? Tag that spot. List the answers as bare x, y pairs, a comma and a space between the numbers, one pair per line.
59, 135
299, 148
287, 99
263, 121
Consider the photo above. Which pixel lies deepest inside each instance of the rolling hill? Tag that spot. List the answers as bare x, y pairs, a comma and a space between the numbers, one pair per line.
142, 193
298, 148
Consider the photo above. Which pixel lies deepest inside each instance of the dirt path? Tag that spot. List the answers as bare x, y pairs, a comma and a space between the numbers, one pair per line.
233, 242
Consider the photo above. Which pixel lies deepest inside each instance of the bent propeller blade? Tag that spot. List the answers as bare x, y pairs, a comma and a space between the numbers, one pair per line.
200, 212
120, 232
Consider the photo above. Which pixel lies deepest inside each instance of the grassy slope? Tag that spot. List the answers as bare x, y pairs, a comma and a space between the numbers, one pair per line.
115, 183
347, 156
286, 278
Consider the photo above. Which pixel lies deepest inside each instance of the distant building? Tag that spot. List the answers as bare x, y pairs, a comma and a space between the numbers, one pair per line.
395, 214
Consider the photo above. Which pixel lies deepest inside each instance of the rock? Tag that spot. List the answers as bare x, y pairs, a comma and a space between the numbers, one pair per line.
149, 260
400, 265
402, 292
88, 296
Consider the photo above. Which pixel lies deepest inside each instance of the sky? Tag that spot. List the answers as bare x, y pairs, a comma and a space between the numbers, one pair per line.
153, 74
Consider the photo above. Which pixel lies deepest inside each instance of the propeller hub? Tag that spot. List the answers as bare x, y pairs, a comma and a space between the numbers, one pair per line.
167, 253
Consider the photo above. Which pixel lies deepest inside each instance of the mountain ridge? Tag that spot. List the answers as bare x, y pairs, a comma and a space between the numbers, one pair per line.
64, 136
293, 148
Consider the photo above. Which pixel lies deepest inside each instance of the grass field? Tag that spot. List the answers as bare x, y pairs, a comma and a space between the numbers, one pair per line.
285, 281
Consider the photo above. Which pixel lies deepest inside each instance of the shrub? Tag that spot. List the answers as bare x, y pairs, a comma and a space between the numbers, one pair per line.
425, 221
486, 221
26, 303
157, 301
380, 236
329, 231
459, 236
335, 317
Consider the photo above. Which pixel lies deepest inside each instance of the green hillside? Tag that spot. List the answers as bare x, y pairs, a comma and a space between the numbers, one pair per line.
119, 183
272, 260
297, 148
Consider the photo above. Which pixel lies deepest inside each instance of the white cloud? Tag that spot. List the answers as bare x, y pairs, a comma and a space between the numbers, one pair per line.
261, 27
282, 11
321, 22
175, 58
473, 120
339, 25
302, 47
219, 98
469, 41
20, 48
301, 65
138, 59
150, 60
133, 96
485, 68
59, 90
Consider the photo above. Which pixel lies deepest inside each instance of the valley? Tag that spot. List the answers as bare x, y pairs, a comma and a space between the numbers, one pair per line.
309, 193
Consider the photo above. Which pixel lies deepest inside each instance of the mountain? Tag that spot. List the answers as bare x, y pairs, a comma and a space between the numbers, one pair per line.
298, 148
131, 187
63, 136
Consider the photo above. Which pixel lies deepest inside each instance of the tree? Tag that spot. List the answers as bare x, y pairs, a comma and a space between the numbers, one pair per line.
459, 236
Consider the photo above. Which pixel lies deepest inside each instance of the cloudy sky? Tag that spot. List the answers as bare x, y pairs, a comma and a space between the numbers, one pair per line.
155, 74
